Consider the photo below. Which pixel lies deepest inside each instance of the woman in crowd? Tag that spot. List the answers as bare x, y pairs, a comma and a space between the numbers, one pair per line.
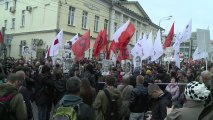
87, 92
173, 89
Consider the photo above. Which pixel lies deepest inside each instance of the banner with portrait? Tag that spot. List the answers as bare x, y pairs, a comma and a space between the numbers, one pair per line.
67, 64
25, 51
67, 51
137, 63
106, 66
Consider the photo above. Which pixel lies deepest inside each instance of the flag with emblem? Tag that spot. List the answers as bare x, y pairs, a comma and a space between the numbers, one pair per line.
157, 48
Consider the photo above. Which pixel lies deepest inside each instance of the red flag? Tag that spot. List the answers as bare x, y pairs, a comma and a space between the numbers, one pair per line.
123, 55
123, 35
126, 36
100, 42
1, 38
81, 45
169, 38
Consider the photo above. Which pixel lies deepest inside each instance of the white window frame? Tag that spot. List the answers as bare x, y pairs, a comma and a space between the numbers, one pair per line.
23, 18
71, 16
13, 23
84, 19
96, 23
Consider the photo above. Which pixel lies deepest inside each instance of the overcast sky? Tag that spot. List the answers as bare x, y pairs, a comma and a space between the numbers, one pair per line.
200, 11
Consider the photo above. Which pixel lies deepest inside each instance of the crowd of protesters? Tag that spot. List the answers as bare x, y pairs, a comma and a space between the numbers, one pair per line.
155, 92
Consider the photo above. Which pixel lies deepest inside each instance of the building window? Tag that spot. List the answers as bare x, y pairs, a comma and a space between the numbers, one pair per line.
106, 22
115, 26
71, 16
84, 19
13, 23
23, 18
5, 24
6, 5
96, 23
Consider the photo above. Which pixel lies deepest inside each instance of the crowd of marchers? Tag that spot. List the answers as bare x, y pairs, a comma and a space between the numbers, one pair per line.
153, 92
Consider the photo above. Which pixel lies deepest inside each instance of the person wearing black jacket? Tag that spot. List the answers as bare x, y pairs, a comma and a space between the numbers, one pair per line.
44, 93
161, 102
60, 86
139, 99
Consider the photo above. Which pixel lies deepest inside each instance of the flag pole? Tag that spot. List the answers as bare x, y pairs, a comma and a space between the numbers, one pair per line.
206, 51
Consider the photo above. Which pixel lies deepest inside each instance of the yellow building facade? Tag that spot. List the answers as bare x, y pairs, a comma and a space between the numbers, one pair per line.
35, 23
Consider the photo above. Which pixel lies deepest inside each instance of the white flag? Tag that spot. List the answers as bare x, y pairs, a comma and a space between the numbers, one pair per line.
157, 48
137, 46
186, 34
147, 47
198, 54
74, 39
56, 44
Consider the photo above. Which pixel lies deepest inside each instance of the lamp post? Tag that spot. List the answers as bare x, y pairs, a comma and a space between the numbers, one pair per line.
163, 18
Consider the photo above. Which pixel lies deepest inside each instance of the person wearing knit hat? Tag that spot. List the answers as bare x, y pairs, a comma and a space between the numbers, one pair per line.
148, 72
195, 93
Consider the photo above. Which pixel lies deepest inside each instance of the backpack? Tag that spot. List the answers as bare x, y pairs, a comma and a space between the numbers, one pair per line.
112, 110
5, 108
66, 113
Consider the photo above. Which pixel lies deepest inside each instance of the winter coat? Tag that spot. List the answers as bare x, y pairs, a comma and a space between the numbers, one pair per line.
159, 110
60, 90
173, 89
17, 102
190, 111
126, 96
44, 91
139, 99
26, 95
84, 112
207, 113
101, 102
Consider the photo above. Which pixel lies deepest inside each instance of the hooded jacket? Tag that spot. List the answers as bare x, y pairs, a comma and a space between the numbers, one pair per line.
84, 112
101, 102
159, 110
17, 102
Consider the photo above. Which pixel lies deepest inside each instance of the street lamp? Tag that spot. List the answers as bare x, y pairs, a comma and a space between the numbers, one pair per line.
163, 18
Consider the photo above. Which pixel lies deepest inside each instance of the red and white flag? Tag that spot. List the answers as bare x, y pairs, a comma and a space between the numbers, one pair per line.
55, 46
81, 45
169, 38
123, 35
157, 48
